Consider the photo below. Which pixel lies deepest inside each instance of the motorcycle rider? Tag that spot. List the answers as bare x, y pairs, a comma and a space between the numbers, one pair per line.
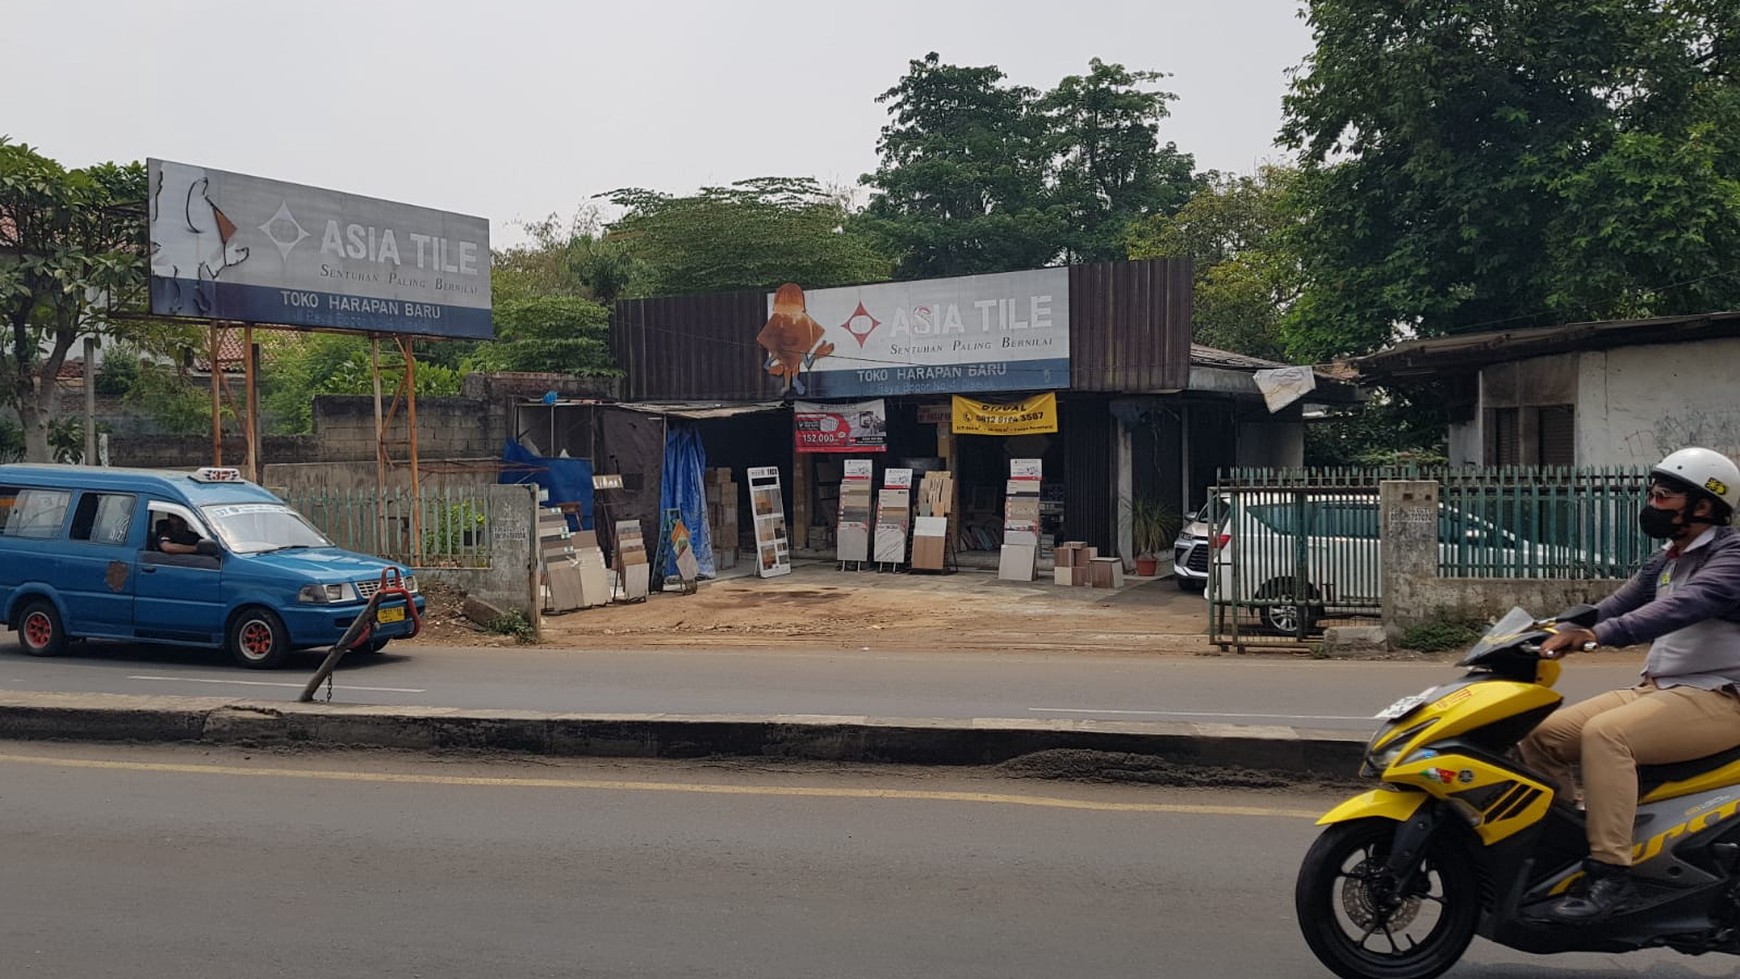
1685, 602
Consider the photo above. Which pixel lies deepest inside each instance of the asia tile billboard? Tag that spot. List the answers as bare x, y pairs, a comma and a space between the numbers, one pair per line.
227, 246
1002, 332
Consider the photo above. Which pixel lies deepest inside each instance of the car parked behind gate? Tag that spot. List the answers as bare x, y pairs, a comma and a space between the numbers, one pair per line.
1335, 539
80, 559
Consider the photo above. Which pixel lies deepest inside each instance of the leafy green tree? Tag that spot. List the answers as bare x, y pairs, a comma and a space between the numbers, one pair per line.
72, 246
977, 175
961, 188
754, 234
1103, 134
557, 334
306, 365
1237, 232
573, 258
1513, 162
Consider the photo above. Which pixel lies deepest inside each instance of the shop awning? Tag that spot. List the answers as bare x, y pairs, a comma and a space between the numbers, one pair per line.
702, 410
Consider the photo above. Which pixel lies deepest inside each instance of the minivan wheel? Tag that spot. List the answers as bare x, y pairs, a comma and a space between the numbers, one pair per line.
257, 639
39, 628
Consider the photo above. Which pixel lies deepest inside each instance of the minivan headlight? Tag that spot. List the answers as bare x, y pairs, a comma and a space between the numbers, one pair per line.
326, 594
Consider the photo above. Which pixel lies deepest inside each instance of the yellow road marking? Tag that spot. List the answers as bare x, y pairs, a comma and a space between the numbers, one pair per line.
625, 785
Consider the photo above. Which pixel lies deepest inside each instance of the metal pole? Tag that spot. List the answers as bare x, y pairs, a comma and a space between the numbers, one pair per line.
90, 401
411, 430
380, 445
217, 410
253, 404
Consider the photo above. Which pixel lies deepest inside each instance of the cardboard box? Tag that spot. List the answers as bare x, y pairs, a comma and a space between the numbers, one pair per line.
1106, 572
1067, 555
1064, 575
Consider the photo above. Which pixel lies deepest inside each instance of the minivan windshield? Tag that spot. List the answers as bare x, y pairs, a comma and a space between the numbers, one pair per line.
250, 528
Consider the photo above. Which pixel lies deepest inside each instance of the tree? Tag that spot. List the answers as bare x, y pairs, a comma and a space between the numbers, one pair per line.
1237, 231
1513, 162
556, 334
304, 365
72, 246
564, 259
1103, 134
961, 188
754, 234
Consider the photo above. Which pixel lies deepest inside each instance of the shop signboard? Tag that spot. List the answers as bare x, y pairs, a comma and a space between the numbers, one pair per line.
227, 246
1030, 416
1002, 332
854, 426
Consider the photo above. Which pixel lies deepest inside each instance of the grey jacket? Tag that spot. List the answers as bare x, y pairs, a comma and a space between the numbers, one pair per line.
1706, 587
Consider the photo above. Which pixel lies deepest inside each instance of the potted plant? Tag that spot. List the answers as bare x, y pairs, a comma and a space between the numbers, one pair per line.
1153, 525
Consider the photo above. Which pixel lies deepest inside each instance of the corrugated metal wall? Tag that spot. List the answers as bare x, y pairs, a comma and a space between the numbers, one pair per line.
1129, 332
1129, 326
1090, 511
693, 348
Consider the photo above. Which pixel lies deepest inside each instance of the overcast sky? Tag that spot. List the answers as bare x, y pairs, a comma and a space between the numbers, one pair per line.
512, 109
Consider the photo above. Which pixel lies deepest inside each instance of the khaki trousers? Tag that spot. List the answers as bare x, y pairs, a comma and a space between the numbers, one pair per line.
1611, 734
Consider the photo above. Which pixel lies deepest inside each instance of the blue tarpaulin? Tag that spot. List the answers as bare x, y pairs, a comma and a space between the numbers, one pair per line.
568, 480
681, 489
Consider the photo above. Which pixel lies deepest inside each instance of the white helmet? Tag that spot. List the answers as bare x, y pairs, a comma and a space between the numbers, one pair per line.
1705, 470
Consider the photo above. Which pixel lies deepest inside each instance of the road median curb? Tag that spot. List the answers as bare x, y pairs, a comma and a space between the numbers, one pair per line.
933, 741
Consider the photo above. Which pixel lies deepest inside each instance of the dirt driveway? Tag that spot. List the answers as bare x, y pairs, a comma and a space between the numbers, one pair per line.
820, 607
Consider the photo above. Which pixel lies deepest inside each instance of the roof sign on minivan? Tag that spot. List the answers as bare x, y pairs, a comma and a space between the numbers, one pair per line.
216, 474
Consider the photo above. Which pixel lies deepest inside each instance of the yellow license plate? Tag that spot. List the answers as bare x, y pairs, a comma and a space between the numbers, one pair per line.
386, 615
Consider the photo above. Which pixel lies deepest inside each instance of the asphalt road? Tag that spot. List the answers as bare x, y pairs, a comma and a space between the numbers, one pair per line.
1313, 694
194, 863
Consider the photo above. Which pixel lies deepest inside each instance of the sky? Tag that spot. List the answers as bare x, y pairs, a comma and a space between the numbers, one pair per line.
516, 109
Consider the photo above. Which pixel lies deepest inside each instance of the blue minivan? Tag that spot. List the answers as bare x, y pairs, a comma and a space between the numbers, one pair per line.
80, 558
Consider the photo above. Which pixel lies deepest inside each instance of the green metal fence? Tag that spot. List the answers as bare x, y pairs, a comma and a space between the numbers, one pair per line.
1295, 548
451, 523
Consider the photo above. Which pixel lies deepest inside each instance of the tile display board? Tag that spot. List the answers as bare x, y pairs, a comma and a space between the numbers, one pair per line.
1020, 551
767, 509
931, 536
893, 516
852, 536
632, 567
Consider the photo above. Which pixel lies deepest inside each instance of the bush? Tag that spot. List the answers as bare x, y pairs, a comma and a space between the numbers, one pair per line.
1441, 634
513, 623
450, 531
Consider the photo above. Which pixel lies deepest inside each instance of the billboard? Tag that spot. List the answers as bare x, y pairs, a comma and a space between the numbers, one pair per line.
227, 246
1002, 332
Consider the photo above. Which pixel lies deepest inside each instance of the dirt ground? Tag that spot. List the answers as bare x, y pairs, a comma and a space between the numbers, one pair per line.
820, 607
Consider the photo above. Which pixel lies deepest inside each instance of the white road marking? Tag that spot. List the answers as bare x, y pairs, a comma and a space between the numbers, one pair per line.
1198, 713
272, 683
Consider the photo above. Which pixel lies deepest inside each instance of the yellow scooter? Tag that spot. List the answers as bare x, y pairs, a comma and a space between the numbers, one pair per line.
1460, 839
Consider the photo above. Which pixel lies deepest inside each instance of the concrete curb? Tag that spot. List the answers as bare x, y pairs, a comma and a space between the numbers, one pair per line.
927, 741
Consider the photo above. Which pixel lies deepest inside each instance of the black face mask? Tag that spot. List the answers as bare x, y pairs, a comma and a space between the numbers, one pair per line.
1658, 523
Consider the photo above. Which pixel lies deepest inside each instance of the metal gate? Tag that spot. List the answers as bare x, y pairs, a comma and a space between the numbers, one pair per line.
1286, 562
1296, 550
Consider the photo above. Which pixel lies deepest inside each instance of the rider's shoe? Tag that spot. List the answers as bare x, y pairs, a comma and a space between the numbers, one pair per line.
1608, 888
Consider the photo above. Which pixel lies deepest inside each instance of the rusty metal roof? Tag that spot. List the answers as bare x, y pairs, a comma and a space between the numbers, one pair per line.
1470, 351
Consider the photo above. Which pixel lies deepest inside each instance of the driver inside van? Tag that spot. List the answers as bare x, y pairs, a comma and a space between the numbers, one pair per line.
174, 536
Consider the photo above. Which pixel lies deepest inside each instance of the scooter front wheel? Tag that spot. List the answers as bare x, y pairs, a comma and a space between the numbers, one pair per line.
1361, 927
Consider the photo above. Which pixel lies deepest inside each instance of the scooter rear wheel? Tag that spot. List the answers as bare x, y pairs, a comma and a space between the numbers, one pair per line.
1359, 930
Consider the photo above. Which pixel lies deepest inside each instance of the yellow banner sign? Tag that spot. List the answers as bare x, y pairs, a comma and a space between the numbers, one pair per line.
1034, 416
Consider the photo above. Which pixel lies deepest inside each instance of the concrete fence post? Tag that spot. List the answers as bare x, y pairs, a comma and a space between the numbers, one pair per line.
1408, 515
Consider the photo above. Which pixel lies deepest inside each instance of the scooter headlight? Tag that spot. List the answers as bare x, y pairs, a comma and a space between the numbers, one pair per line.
1379, 759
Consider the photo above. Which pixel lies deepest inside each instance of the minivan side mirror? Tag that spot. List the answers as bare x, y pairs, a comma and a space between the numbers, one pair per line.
206, 547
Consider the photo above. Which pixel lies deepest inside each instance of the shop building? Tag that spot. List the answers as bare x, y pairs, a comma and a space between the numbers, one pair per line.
1089, 368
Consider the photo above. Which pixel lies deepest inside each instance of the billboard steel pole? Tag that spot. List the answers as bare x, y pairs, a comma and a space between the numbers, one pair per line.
217, 404
411, 433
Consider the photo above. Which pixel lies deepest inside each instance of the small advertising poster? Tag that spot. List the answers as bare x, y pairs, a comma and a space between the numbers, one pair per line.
854, 426
1032, 416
